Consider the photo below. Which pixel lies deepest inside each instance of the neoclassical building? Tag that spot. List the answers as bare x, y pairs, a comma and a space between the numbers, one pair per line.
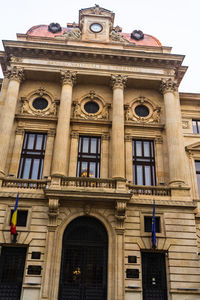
93, 131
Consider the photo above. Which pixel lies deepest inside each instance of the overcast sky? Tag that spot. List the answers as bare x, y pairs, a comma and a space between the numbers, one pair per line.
175, 23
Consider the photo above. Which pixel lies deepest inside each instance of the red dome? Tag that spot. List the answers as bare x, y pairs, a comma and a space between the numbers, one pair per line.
42, 31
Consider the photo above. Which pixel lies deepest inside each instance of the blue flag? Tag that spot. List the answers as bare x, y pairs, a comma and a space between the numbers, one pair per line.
153, 229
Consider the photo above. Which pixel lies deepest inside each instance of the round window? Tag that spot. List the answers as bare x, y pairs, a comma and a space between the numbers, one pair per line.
40, 103
142, 111
91, 107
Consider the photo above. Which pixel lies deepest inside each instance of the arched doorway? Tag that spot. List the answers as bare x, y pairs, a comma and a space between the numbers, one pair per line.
83, 274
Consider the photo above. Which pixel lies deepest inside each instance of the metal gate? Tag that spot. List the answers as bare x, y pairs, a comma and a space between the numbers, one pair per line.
154, 276
83, 273
12, 261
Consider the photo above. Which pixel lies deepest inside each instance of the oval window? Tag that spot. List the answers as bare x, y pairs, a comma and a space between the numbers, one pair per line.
40, 103
142, 111
91, 107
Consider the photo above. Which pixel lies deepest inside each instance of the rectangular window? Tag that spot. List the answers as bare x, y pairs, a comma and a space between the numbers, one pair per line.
197, 166
89, 157
32, 156
148, 224
143, 163
21, 217
196, 126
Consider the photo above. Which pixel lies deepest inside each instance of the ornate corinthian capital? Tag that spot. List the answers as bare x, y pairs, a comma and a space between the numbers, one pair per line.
168, 85
15, 73
118, 81
68, 77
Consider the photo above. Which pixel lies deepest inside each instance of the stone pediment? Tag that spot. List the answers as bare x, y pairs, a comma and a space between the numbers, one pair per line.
193, 147
96, 10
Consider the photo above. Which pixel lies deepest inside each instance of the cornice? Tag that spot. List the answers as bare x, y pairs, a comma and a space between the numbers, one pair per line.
173, 203
32, 118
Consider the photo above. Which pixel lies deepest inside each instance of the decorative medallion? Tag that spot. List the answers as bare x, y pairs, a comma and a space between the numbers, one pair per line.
91, 107
39, 103
137, 35
142, 110
54, 27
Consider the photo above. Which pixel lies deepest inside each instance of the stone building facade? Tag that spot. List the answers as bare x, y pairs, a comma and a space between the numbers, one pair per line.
93, 131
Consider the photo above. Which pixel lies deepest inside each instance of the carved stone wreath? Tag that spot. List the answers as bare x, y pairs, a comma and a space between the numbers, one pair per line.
28, 107
80, 112
153, 115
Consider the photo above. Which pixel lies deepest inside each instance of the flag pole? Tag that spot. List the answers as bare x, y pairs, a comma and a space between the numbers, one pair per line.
153, 228
13, 226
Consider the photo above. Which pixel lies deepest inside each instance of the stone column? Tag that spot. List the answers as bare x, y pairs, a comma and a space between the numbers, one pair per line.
61, 147
15, 76
173, 125
129, 158
160, 176
48, 153
14, 166
118, 168
104, 155
73, 154
120, 264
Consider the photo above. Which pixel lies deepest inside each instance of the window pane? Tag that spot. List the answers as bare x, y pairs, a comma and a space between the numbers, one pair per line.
31, 141
39, 142
146, 149
41, 168
27, 167
92, 169
138, 148
147, 175
78, 169
85, 144
35, 169
98, 170
93, 148
197, 166
198, 182
84, 169
139, 175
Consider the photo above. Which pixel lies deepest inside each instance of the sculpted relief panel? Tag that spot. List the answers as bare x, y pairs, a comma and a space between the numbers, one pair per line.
142, 110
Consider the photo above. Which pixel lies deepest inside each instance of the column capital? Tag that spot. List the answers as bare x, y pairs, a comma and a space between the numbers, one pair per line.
74, 135
19, 131
118, 81
168, 85
128, 138
51, 132
68, 77
105, 136
14, 73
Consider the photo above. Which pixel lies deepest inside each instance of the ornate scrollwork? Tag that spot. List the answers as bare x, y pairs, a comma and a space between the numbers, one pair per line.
153, 115
28, 104
15, 73
73, 34
168, 85
118, 81
53, 211
117, 37
68, 77
102, 109
120, 212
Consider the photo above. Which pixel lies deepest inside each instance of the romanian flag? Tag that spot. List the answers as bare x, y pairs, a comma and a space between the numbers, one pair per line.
14, 217
153, 226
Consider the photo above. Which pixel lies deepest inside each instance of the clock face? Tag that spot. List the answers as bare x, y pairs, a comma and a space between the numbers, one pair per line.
96, 27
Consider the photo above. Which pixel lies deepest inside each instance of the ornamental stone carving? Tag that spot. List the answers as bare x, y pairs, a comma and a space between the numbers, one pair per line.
15, 73
118, 81
168, 85
53, 211
150, 113
68, 77
46, 104
117, 37
73, 34
120, 212
91, 107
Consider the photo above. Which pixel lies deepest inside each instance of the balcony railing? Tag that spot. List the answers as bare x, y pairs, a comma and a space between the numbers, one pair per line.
88, 182
85, 182
24, 183
149, 190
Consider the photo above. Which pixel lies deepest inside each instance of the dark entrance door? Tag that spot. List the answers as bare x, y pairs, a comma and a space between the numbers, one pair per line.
83, 273
12, 261
154, 276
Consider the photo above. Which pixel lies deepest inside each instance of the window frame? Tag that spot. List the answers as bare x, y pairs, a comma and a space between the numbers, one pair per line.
196, 126
89, 157
143, 161
33, 154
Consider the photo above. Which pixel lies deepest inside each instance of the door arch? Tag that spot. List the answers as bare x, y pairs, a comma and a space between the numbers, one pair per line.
83, 273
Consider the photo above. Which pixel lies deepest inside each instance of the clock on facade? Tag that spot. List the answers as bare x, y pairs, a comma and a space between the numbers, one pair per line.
96, 27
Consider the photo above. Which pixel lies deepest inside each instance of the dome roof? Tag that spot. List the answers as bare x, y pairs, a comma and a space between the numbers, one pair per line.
145, 40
